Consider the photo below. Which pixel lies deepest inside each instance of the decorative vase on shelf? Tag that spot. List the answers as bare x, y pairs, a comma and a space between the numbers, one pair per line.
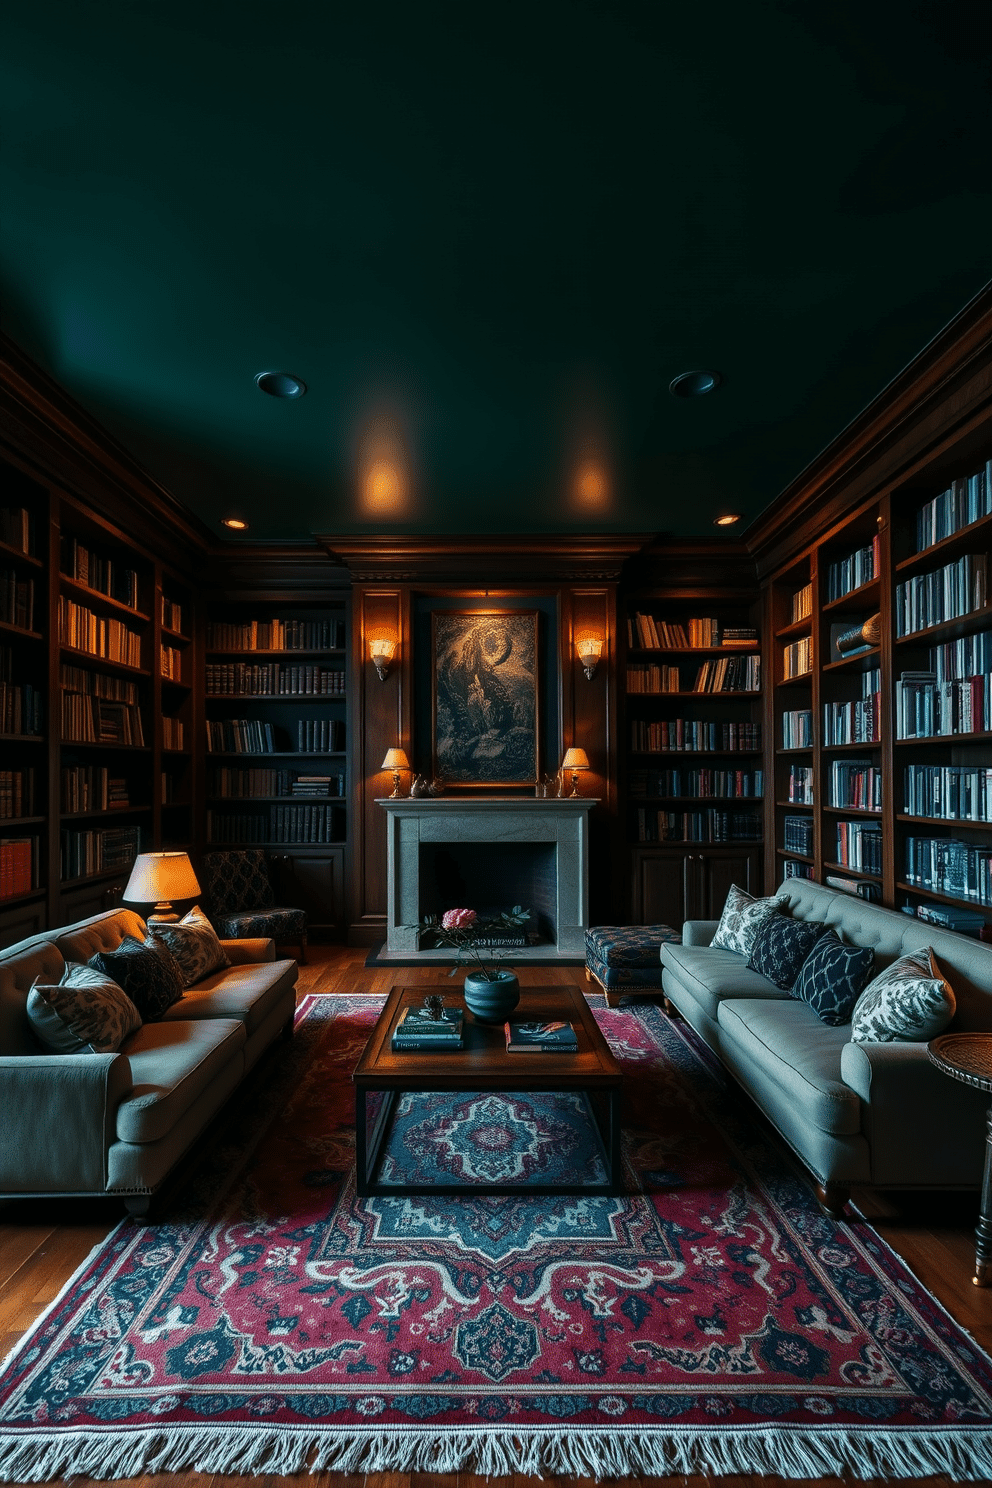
492, 1001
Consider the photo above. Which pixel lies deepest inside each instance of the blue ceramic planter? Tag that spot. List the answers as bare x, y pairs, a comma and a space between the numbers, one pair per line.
492, 1002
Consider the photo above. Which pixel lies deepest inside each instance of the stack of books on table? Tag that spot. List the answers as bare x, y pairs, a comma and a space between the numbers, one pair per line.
540, 1037
416, 1029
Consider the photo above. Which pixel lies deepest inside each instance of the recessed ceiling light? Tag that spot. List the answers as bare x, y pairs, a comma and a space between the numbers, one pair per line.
236, 524
280, 384
727, 520
694, 384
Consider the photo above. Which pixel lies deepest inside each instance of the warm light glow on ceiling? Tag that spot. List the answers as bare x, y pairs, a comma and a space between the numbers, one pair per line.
727, 520
236, 524
383, 489
592, 489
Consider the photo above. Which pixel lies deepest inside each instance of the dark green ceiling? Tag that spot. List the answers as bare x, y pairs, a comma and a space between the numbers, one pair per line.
487, 237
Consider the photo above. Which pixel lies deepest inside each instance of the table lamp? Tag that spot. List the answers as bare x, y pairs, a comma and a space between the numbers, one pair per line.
396, 761
158, 878
575, 760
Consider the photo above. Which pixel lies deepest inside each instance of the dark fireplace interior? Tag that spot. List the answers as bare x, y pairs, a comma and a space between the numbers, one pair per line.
490, 877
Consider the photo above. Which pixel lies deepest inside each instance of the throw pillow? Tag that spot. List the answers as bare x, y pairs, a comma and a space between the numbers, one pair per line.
146, 970
86, 1012
780, 948
832, 978
911, 1002
741, 920
194, 945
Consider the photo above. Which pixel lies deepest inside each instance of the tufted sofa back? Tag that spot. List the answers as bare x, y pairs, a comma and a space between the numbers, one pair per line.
103, 932
967, 962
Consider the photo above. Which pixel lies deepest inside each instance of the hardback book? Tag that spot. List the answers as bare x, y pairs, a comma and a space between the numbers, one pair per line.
535, 1037
417, 1024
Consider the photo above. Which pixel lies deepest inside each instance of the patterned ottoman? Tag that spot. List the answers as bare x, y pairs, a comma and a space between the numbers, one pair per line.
626, 959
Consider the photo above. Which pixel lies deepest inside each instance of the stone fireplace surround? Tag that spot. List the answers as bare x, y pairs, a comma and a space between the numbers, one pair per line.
494, 821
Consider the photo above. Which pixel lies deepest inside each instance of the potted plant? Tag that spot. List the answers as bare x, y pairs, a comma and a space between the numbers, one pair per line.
491, 992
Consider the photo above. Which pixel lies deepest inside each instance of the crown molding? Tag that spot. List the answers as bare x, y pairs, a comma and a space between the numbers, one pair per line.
277, 570
502, 557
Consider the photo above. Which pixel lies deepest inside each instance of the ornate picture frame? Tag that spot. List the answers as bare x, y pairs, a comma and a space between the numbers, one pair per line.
485, 726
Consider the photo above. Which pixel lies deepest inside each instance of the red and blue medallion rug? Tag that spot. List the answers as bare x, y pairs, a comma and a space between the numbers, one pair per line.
709, 1320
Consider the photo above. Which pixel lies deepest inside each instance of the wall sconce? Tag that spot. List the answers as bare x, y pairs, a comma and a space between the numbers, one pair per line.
396, 761
575, 760
381, 652
589, 648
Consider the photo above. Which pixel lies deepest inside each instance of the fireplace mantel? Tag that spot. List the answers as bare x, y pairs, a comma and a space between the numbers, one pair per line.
412, 822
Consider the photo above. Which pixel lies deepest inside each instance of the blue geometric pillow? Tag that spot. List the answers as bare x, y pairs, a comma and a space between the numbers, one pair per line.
780, 948
833, 977
146, 970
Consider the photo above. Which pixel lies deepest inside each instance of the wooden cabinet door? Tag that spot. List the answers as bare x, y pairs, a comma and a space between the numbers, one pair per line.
717, 871
664, 888
312, 880
87, 899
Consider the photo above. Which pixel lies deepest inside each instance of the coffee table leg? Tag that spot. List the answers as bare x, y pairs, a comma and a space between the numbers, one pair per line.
615, 1141
983, 1230
361, 1143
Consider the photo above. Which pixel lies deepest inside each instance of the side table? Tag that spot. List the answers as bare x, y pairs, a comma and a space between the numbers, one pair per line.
968, 1057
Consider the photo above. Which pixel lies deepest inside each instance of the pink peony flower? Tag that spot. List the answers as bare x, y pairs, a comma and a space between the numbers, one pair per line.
458, 919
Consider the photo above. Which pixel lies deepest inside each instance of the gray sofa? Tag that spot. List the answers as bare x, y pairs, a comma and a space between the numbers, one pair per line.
77, 1124
876, 1114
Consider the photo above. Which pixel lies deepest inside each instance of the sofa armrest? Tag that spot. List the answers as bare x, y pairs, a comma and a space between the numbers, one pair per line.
923, 1127
259, 948
698, 932
58, 1120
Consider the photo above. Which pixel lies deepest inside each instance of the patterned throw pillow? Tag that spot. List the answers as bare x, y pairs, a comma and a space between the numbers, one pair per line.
832, 978
780, 948
146, 970
910, 1002
741, 920
194, 945
85, 1013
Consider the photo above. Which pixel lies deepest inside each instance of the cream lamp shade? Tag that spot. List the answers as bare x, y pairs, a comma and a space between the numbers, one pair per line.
396, 761
589, 649
381, 650
159, 878
575, 760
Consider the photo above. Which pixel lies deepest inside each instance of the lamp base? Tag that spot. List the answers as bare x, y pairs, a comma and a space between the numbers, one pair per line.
162, 919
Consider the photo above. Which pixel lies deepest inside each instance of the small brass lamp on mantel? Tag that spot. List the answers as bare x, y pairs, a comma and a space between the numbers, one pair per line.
396, 761
575, 760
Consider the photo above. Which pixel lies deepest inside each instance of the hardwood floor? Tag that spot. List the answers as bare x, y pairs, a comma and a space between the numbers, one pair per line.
43, 1242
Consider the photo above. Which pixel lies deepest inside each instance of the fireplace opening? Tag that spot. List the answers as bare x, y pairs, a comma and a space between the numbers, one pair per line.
490, 877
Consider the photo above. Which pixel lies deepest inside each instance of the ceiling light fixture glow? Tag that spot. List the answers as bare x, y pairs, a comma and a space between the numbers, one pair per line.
280, 384
727, 520
236, 524
694, 384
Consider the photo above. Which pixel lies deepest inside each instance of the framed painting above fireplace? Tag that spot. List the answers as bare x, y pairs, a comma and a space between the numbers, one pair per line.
485, 697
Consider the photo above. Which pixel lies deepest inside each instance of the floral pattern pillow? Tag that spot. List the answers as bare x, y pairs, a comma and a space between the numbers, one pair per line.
194, 945
85, 1013
742, 918
910, 1002
146, 970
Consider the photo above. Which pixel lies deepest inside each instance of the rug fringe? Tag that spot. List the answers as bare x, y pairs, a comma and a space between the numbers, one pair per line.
965, 1455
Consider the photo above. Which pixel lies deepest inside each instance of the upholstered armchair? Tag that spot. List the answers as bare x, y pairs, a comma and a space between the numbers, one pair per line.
241, 901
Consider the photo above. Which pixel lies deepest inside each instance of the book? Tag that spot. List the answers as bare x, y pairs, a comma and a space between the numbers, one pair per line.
537, 1037
417, 1024
860, 889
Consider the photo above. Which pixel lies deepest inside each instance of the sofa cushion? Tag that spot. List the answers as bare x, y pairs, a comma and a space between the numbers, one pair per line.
712, 976
147, 972
832, 978
780, 948
84, 1012
171, 1065
785, 1043
741, 920
248, 992
193, 943
911, 1000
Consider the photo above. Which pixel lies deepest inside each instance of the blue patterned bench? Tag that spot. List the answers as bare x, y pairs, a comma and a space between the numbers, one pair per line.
626, 959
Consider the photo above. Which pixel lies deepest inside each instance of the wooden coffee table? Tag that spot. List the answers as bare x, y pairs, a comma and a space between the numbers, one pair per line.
485, 1065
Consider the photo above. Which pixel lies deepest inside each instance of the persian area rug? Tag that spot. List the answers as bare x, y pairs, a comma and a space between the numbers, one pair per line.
709, 1320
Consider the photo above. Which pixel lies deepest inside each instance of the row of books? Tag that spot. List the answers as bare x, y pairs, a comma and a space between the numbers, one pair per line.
19, 866
797, 728
859, 721
17, 528
798, 658
697, 826
98, 635
799, 788
797, 835
276, 635
650, 677
945, 865
956, 660
96, 571
860, 888
172, 732
718, 783
856, 783
946, 593
793, 869
694, 735
950, 792
172, 615
16, 600
320, 735
94, 720
310, 823
92, 788
952, 917
729, 674
966, 500
675, 635
859, 846
99, 850
802, 604
21, 709
171, 663
272, 679
925, 709
253, 736
244, 785
850, 573
16, 793
98, 684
